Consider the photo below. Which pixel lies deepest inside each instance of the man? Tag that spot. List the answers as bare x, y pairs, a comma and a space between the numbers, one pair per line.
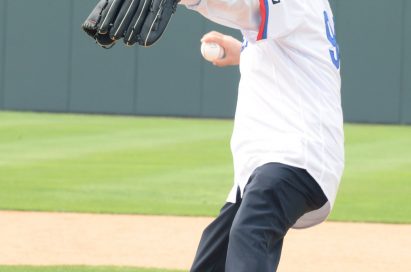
288, 138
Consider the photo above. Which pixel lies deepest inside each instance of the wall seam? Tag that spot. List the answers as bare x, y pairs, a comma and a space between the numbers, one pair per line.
402, 64
4, 55
70, 57
135, 82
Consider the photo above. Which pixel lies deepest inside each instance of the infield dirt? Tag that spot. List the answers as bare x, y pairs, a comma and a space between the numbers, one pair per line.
30, 238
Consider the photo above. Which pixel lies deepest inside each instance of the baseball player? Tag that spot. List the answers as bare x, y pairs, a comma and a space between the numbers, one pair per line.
288, 142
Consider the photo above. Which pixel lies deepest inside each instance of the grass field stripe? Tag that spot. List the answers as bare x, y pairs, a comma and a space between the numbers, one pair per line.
124, 18
56, 160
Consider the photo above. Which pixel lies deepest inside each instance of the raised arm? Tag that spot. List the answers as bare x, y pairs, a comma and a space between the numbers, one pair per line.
240, 14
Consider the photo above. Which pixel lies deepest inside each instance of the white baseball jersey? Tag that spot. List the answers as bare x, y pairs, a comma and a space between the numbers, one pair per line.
289, 102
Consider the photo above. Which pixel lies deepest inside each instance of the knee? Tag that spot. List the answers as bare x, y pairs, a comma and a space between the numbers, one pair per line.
239, 234
261, 238
247, 230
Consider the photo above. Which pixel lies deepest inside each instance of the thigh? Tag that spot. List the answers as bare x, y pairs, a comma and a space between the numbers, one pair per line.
275, 198
282, 191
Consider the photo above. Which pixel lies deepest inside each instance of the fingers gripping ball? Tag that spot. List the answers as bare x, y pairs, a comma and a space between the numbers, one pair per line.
212, 51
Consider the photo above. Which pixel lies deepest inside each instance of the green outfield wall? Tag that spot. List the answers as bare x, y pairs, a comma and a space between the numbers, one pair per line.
48, 64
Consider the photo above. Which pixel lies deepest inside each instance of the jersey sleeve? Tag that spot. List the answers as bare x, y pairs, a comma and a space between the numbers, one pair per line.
264, 18
239, 14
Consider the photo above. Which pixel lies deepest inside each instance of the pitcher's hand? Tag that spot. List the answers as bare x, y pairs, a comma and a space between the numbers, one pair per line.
232, 48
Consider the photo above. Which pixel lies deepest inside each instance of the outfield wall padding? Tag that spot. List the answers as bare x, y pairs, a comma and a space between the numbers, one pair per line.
50, 65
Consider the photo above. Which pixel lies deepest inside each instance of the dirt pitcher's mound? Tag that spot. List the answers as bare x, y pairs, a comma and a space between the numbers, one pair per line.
28, 238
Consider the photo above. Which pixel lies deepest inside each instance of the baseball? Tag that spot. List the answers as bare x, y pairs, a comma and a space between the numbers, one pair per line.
212, 51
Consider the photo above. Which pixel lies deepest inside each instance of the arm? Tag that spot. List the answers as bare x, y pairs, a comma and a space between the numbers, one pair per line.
239, 14
268, 19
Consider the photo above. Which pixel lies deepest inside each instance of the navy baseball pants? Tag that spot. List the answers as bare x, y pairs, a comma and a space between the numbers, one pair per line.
248, 235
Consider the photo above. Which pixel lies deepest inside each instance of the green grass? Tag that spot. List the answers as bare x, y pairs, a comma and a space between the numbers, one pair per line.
76, 269
115, 164
376, 184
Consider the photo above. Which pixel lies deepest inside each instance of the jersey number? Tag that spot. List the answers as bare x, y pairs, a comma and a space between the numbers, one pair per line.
335, 50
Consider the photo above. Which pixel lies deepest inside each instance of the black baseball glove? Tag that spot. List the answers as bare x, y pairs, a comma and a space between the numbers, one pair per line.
134, 21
